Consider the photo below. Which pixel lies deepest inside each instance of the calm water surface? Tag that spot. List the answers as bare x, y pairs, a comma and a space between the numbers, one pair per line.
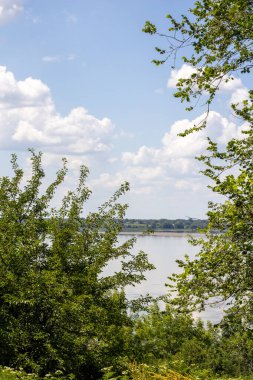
162, 252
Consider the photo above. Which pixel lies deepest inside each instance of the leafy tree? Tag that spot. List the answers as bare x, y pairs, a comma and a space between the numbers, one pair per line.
58, 311
222, 271
235, 348
220, 34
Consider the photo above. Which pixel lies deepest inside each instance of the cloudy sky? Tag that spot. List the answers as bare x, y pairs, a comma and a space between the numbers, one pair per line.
76, 80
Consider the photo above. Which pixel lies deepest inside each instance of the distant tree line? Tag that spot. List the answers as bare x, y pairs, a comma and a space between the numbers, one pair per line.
190, 224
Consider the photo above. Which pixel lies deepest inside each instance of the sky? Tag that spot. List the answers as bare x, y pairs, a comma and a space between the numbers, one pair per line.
76, 81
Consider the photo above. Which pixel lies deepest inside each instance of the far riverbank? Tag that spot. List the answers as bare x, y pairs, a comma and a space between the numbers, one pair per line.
162, 233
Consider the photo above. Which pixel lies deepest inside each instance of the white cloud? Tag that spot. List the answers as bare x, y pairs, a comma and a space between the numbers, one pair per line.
58, 58
171, 169
21, 94
231, 85
142, 179
239, 95
51, 58
175, 149
28, 118
228, 84
9, 9
74, 162
107, 180
173, 164
111, 160
192, 185
143, 156
184, 72
175, 146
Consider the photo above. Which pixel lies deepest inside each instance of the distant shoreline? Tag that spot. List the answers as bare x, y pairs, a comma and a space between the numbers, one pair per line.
162, 233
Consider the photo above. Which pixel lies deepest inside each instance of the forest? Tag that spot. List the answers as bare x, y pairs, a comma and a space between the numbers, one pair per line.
61, 318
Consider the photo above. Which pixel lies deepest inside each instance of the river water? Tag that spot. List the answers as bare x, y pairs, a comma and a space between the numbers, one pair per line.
162, 252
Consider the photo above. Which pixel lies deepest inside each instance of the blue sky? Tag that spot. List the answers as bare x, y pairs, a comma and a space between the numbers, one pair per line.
76, 80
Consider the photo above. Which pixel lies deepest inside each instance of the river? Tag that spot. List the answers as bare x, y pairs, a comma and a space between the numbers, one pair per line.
162, 252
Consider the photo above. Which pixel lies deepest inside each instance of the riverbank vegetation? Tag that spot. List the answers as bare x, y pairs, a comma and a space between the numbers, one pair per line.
61, 318
163, 225
163, 344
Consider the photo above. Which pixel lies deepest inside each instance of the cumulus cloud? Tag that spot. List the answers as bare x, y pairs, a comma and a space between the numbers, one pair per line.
174, 147
228, 84
108, 180
184, 72
173, 164
141, 179
28, 118
73, 161
239, 95
144, 155
9, 9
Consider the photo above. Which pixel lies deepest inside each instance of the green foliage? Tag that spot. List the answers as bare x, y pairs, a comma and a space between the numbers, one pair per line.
145, 225
169, 340
57, 309
141, 371
149, 28
7, 373
220, 34
222, 271
173, 340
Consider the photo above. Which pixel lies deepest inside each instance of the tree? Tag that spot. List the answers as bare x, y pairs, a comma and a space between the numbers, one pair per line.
223, 269
58, 311
221, 36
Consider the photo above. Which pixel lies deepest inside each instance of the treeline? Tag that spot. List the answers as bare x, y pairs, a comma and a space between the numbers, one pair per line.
189, 225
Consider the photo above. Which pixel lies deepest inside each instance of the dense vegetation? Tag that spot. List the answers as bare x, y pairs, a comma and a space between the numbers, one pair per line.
57, 310
61, 318
165, 344
221, 35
